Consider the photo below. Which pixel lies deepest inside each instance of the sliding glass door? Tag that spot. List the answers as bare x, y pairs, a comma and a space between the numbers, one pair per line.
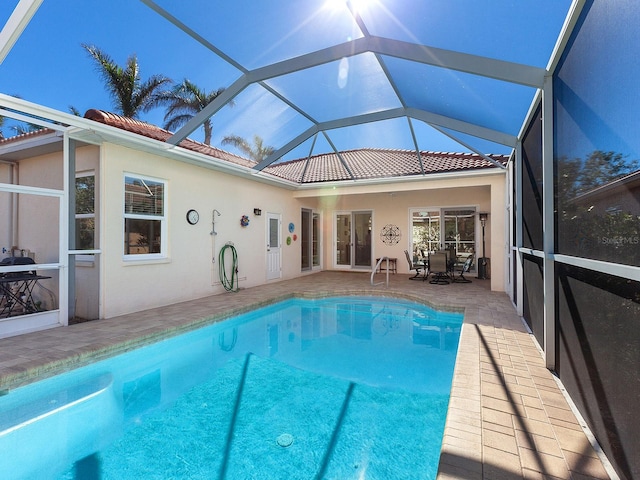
353, 239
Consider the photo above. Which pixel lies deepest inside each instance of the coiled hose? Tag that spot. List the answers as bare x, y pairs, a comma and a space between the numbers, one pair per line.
227, 282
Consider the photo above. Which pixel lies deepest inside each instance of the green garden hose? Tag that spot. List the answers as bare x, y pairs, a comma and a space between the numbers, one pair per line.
227, 282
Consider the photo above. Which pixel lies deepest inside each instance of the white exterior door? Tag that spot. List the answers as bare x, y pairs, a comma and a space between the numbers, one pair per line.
274, 246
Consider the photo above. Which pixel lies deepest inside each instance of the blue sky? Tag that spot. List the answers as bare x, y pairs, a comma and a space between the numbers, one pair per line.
48, 66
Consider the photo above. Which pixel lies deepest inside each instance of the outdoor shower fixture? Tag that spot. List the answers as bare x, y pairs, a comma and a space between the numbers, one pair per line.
213, 222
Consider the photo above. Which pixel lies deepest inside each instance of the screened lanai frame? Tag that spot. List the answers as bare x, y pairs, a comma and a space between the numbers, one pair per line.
58, 315
546, 254
370, 46
415, 78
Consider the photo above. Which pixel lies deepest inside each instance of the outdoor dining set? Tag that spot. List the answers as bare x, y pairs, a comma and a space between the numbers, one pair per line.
440, 268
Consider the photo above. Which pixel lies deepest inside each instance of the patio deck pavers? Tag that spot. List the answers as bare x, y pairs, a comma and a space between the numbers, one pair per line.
508, 418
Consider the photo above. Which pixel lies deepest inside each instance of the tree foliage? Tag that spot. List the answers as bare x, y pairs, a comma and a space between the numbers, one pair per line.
257, 151
596, 228
183, 101
130, 95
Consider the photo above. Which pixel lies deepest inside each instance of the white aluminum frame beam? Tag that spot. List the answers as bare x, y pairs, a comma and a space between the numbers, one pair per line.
17, 22
429, 118
463, 62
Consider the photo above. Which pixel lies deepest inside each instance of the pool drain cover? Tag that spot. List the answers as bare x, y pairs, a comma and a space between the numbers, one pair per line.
285, 440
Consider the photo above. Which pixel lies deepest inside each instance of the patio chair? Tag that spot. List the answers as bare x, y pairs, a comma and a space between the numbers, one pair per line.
438, 269
413, 266
462, 270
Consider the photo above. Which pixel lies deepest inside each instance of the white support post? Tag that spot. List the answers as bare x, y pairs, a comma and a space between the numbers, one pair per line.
518, 254
63, 249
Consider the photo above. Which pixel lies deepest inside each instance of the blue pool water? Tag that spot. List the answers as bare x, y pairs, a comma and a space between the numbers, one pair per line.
338, 388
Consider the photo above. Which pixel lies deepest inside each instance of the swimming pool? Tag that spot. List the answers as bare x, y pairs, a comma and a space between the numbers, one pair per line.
344, 387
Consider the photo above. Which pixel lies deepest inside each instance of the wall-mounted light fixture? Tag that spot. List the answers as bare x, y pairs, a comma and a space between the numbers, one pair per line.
483, 262
257, 212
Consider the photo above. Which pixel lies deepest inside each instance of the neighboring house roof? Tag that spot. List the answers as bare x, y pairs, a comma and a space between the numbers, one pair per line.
628, 182
367, 163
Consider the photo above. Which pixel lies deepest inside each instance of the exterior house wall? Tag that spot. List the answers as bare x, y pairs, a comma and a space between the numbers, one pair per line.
110, 284
391, 204
32, 221
190, 269
5, 209
37, 228
39, 216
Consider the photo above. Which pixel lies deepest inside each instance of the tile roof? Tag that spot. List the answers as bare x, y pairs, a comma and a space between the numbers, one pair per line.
365, 163
157, 133
26, 135
369, 163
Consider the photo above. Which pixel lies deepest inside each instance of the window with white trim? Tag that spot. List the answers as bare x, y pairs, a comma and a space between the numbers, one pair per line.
144, 216
85, 211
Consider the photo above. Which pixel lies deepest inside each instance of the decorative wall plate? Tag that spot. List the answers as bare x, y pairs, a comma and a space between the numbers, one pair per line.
390, 234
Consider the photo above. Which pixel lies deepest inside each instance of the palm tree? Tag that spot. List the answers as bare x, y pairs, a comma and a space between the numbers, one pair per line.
258, 151
183, 101
129, 93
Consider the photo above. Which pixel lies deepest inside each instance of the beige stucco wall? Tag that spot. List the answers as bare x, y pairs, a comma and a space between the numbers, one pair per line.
111, 285
392, 203
189, 270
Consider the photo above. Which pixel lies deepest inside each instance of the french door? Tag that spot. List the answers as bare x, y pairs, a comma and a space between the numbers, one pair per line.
353, 240
452, 229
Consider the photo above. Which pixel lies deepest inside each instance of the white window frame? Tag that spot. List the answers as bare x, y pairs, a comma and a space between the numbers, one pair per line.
162, 255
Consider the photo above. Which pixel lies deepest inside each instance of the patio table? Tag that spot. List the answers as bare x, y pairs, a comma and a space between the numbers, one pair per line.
16, 293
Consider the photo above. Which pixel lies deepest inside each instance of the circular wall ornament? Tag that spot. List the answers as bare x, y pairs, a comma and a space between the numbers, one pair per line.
288, 240
390, 234
244, 221
292, 227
